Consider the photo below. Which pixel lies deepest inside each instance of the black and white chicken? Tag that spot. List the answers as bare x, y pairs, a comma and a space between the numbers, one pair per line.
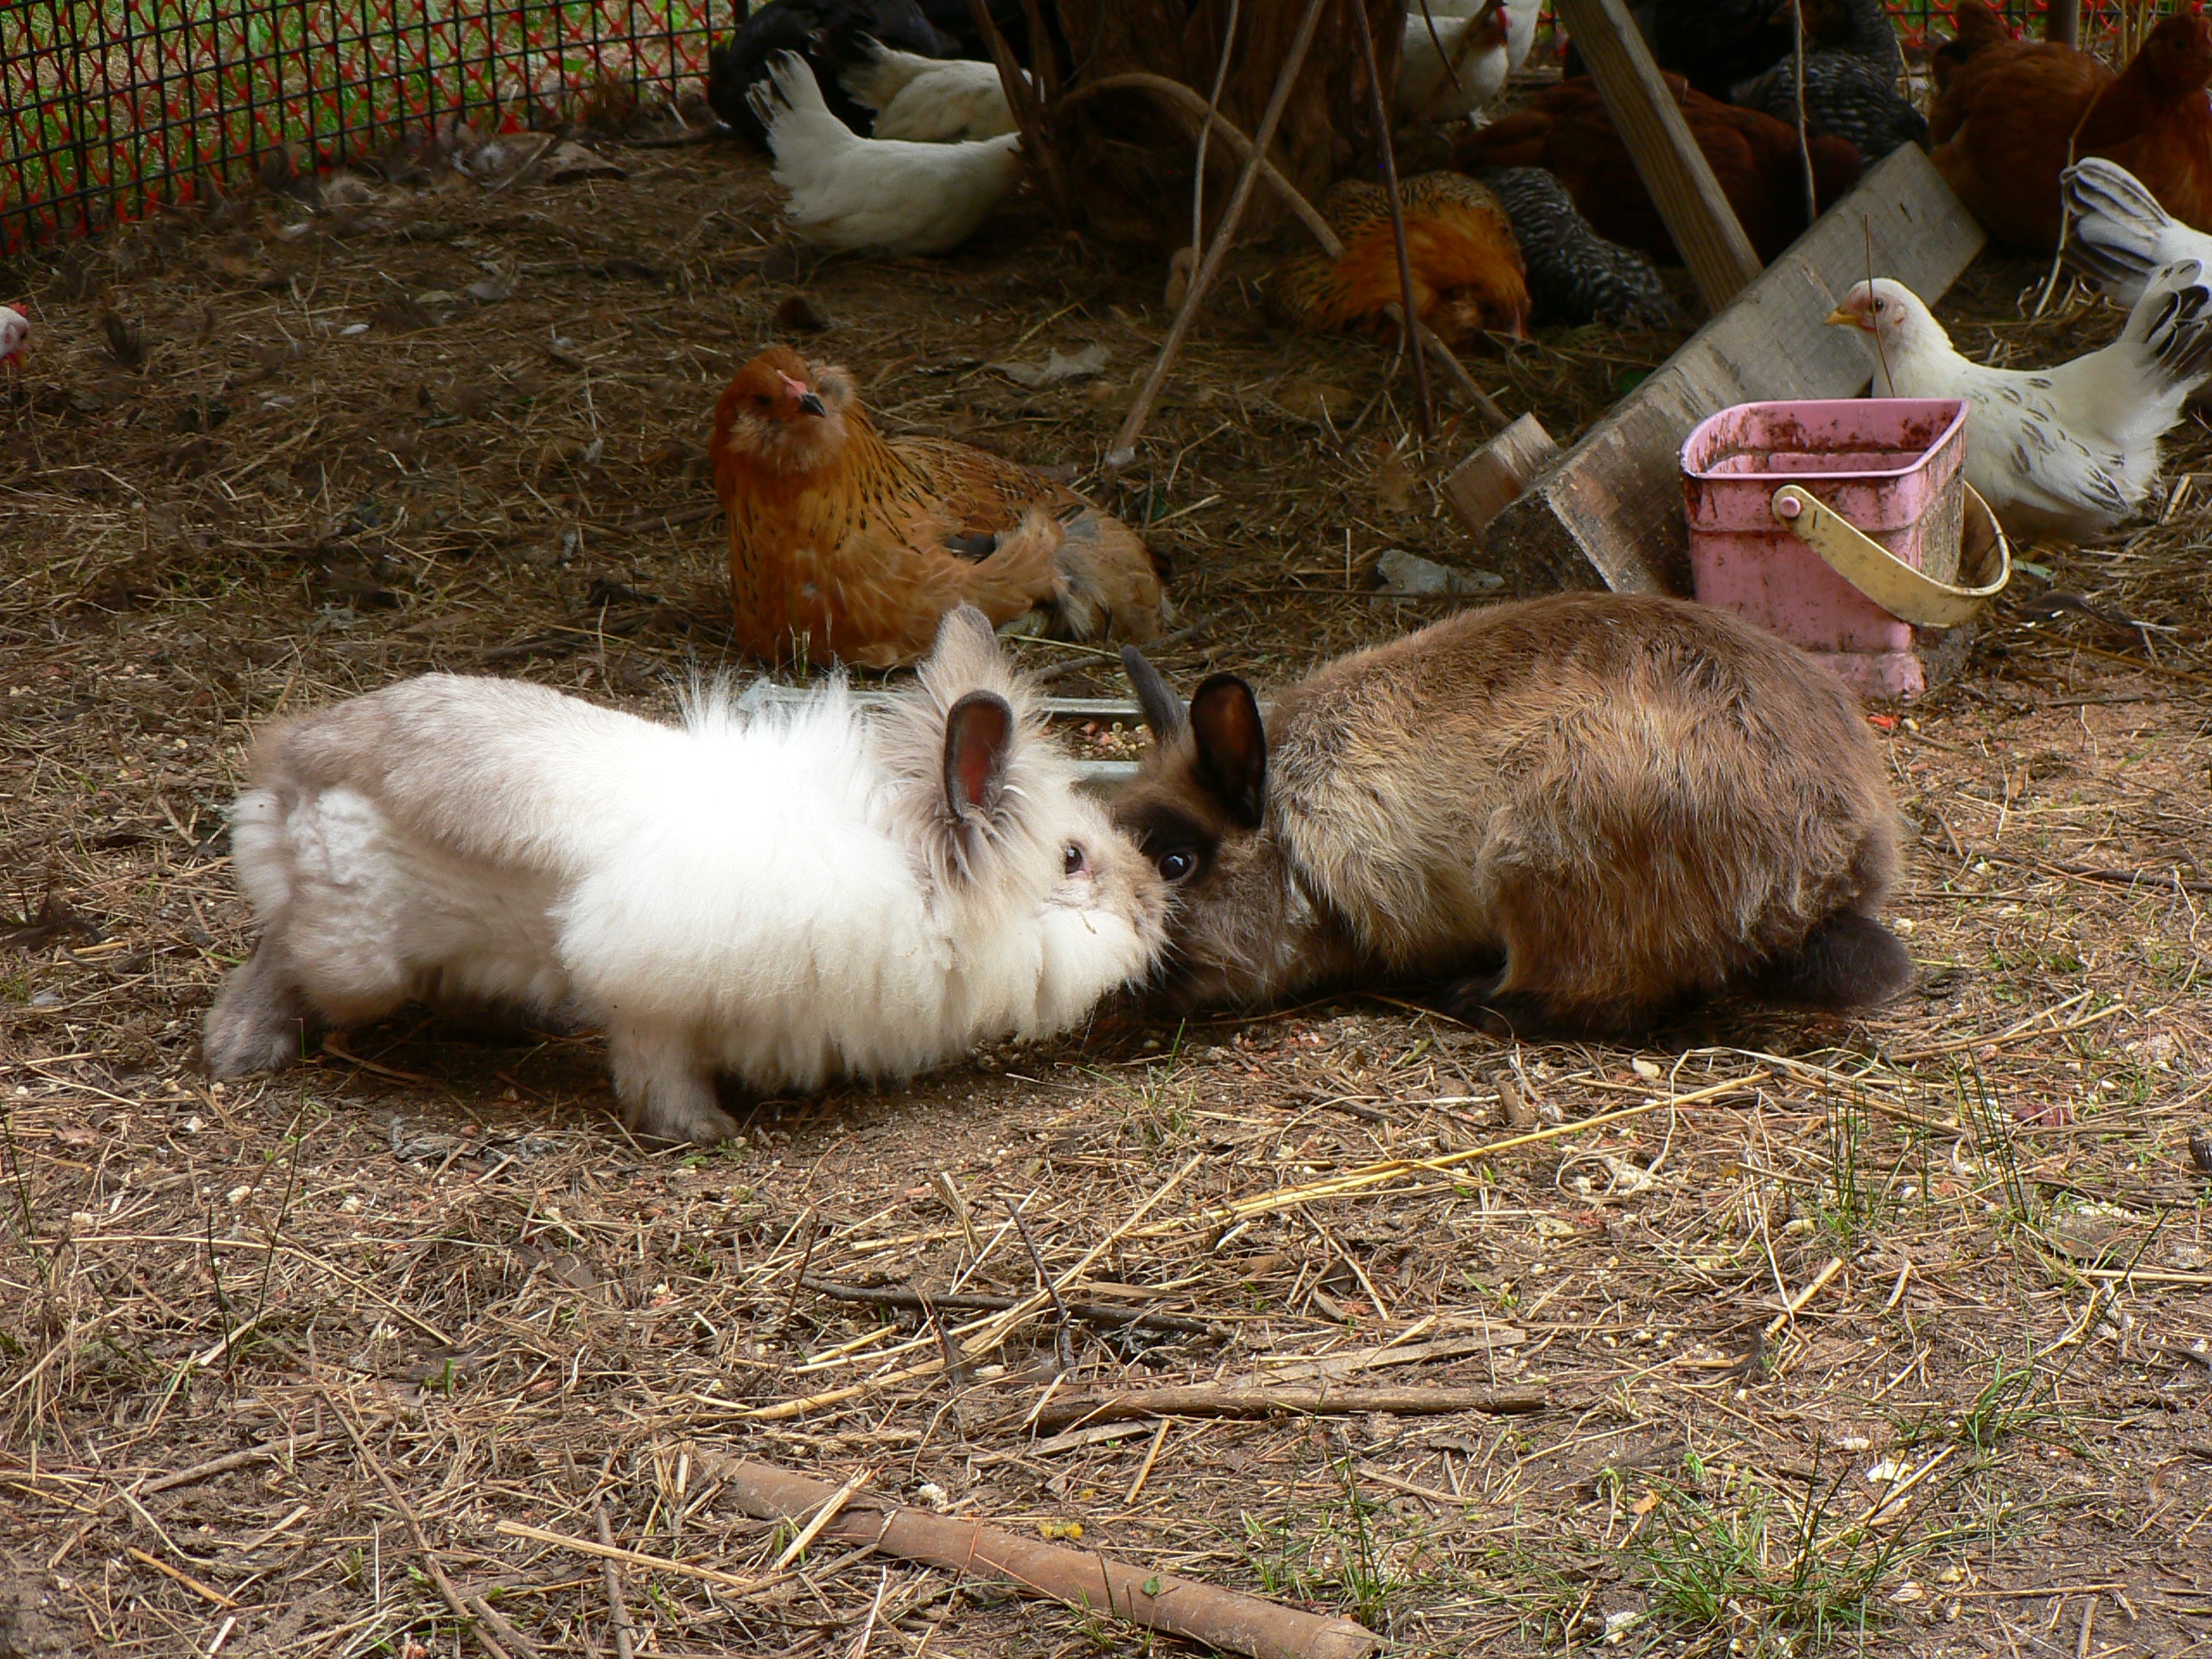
1574, 274
1852, 65
833, 36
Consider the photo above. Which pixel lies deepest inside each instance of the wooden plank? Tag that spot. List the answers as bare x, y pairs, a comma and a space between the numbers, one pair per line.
2062, 22
1673, 168
1488, 481
1609, 513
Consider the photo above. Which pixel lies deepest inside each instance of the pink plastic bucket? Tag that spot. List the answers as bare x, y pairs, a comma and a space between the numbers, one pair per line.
1890, 466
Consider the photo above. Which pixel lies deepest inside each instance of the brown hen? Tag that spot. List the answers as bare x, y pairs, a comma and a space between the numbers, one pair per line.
843, 545
2013, 116
1754, 156
1467, 266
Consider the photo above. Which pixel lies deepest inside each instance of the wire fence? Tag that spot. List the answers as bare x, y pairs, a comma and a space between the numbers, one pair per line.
109, 108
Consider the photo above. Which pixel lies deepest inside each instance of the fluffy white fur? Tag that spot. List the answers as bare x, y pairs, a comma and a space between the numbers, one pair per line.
785, 896
849, 192
929, 100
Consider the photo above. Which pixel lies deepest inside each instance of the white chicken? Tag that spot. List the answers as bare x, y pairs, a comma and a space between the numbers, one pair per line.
1457, 54
2068, 452
14, 334
2121, 234
849, 192
928, 100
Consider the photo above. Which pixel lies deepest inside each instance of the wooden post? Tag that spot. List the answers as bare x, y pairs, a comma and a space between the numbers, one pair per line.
1674, 169
2062, 22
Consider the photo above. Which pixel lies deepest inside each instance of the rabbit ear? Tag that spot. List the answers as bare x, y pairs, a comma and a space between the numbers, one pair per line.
1163, 709
1232, 744
966, 647
978, 740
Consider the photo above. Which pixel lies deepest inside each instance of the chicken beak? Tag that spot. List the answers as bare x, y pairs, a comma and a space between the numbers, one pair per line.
809, 403
1843, 317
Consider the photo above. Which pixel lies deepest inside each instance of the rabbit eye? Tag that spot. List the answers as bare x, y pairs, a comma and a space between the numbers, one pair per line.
1178, 864
1073, 859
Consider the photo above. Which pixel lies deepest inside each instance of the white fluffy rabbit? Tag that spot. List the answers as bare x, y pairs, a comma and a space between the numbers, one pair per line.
784, 896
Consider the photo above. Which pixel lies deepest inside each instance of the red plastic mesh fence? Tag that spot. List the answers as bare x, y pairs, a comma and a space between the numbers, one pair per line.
109, 108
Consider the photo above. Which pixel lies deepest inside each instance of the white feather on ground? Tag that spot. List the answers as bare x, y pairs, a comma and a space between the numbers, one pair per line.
928, 100
848, 192
2121, 235
2070, 451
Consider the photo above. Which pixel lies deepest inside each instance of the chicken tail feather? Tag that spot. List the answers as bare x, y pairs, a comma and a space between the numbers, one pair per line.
1106, 585
2119, 226
2174, 318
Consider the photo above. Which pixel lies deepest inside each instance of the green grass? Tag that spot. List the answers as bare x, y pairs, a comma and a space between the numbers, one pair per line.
1764, 1574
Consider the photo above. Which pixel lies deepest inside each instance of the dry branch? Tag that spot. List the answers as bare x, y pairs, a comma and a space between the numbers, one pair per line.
1226, 1619
1211, 1399
981, 1302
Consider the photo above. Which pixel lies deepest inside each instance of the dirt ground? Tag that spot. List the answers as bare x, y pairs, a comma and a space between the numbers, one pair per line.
1892, 1333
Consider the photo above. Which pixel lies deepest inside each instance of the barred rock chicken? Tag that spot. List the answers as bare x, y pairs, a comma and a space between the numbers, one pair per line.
1846, 97
928, 100
843, 545
1456, 54
849, 192
1466, 267
1755, 158
1574, 274
2120, 237
1852, 66
2067, 452
828, 34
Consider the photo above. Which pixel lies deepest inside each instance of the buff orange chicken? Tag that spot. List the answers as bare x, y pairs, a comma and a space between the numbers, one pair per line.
844, 545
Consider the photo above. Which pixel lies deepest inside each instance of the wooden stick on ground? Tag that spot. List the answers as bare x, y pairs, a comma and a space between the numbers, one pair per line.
626, 1645
1226, 1619
1211, 1399
1124, 449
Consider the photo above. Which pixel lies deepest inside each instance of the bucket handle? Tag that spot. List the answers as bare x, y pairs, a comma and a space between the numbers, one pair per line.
1904, 592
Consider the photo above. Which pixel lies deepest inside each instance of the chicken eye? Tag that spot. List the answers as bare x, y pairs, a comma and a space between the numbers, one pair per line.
1073, 859
1881, 305
1176, 865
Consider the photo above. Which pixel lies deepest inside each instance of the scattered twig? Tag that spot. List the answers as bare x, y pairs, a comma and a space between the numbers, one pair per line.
630, 1557
1208, 1400
482, 1621
984, 1302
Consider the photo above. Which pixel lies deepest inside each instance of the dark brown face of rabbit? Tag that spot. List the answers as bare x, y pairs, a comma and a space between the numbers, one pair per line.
1240, 929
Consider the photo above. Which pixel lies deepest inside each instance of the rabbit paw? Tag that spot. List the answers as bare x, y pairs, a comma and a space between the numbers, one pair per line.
664, 1093
255, 1023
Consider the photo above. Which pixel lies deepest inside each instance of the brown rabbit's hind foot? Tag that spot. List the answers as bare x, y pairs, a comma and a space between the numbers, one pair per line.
259, 1021
1849, 960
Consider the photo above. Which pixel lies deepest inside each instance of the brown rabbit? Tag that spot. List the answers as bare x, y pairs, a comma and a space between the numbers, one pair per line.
1579, 813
